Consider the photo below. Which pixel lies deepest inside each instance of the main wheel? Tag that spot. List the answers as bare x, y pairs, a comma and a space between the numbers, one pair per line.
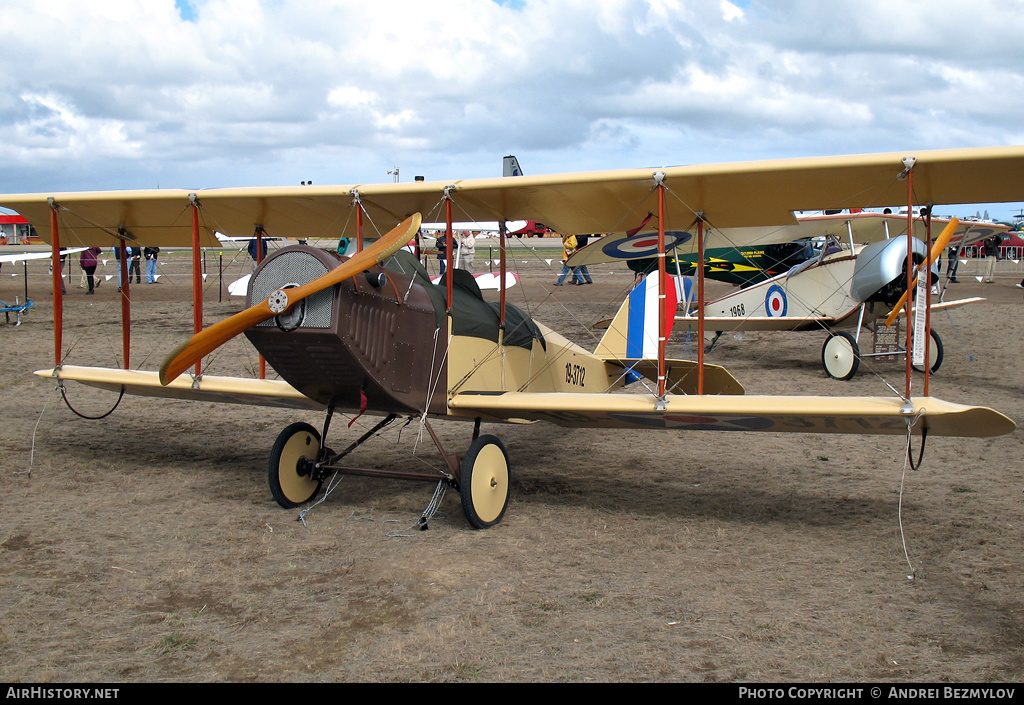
934, 354
840, 356
291, 459
484, 484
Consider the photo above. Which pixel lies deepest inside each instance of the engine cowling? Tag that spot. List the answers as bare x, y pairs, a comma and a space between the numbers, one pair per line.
880, 273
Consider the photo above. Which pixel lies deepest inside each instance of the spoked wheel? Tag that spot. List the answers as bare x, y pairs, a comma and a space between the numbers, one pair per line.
291, 461
840, 356
484, 484
934, 354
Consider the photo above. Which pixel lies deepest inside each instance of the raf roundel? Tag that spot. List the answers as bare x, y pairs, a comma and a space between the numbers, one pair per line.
643, 245
775, 303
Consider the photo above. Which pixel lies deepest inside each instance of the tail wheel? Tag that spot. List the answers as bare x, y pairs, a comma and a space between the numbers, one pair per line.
484, 485
934, 354
840, 356
291, 462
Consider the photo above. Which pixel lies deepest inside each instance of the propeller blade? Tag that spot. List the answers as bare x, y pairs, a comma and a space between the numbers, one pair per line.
209, 339
937, 248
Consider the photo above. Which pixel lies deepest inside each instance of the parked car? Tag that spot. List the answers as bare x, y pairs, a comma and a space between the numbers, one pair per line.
534, 229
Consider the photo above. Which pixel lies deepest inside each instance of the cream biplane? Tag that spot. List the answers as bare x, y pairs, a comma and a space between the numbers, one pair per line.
856, 274
371, 333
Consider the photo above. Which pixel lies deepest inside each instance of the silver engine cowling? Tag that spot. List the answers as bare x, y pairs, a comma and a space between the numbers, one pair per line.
880, 272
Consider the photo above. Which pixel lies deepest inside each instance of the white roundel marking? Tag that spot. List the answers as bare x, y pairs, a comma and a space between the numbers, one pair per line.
775, 303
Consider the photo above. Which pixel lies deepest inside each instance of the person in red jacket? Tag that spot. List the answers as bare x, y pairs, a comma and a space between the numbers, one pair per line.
88, 260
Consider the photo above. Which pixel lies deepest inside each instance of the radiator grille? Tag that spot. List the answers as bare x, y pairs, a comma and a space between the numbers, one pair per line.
295, 268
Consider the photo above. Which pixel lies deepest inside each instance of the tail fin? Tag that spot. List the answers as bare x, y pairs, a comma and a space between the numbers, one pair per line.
510, 166
633, 333
631, 341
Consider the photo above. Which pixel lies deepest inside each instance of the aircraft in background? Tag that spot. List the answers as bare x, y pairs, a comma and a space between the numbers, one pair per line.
841, 269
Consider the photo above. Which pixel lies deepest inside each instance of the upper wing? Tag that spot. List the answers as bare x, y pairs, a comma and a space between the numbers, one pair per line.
864, 227
860, 415
735, 195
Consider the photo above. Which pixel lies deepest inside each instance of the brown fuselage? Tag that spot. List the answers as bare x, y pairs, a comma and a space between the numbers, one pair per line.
372, 341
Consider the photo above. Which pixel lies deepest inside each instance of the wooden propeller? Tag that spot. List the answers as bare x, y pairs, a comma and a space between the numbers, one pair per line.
939, 245
209, 339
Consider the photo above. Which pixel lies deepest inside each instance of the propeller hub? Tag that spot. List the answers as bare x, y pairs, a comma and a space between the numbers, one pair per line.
278, 301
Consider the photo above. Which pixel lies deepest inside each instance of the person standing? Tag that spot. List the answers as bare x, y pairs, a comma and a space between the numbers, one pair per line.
467, 248
254, 251
991, 255
952, 263
582, 272
135, 264
442, 249
88, 261
151, 254
568, 247
117, 259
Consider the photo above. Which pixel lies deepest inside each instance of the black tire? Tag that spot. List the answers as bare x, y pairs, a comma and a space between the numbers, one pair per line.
840, 356
935, 353
291, 485
484, 484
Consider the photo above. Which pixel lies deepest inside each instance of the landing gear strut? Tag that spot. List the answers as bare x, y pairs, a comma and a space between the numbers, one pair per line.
300, 462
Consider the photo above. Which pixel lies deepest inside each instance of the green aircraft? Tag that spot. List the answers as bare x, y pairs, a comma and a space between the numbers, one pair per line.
741, 266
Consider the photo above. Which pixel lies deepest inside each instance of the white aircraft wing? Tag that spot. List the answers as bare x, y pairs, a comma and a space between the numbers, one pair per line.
24, 256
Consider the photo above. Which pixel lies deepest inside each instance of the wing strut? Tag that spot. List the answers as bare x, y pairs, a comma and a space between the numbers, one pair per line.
927, 310
126, 297
58, 288
700, 304
449, 245
909, 163
197, 278
659, 179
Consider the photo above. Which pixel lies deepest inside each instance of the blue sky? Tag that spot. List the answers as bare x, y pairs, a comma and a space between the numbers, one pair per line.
185, 10
207, 93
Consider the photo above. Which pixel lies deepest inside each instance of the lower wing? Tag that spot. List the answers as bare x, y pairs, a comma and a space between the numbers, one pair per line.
225, 390
773, 414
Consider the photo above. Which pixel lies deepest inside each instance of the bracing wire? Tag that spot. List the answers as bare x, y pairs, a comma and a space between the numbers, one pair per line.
909, 462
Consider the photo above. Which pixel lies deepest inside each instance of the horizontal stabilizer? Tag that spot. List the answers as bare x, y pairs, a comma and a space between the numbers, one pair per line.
681, 375
946, 304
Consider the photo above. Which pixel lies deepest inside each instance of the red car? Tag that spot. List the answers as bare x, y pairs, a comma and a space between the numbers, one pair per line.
534, 229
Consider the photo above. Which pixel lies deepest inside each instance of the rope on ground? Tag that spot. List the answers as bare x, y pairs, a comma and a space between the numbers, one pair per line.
422, 524
908, 461
332, 484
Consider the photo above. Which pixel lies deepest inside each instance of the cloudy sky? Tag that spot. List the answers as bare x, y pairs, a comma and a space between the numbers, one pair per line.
208, 93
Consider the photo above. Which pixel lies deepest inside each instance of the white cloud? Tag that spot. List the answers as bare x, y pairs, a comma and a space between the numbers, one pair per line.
731, 12
128, 92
